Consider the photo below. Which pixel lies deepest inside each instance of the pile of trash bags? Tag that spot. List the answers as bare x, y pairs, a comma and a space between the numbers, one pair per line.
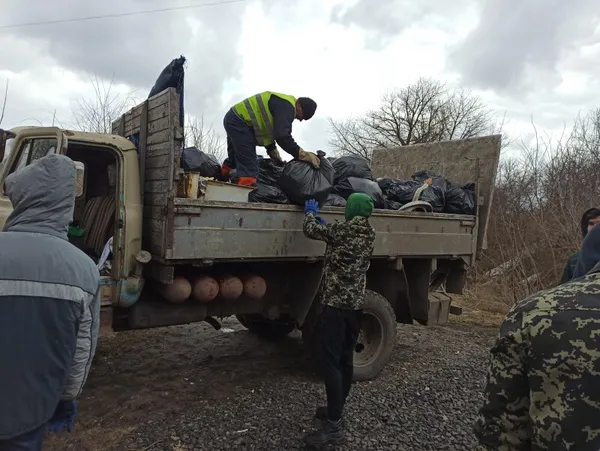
336, 179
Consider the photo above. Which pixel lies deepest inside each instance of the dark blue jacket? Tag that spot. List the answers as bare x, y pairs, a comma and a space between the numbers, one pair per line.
49, 305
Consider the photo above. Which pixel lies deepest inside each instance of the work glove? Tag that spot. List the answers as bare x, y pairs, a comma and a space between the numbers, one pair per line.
309, 157
64, 417
311, 206
275, 156
320, 220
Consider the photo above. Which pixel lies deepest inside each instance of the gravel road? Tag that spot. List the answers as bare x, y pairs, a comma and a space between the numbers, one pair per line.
194, 388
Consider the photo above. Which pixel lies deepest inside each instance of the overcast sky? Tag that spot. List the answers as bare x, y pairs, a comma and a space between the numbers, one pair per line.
533, 57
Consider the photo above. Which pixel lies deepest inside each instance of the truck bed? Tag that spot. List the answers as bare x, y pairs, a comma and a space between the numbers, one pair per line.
223, 231
178, 230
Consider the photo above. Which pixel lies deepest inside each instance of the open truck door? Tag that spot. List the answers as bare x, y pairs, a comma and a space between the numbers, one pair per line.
21, 147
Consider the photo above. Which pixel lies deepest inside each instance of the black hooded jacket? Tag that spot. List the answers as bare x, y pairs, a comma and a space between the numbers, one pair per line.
569, 271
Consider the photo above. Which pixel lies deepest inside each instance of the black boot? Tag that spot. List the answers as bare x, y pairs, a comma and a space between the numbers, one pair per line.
330, 432
321, 413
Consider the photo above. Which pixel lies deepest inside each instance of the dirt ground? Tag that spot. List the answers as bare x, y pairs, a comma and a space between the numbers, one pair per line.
155, 389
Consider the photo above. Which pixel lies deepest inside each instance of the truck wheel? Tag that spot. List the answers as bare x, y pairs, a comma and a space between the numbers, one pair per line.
375, 342
267, 328
377, 337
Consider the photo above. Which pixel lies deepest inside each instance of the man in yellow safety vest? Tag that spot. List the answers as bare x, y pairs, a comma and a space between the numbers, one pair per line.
263, 120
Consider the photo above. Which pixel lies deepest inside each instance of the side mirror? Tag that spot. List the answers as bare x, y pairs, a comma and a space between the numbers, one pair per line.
80, 181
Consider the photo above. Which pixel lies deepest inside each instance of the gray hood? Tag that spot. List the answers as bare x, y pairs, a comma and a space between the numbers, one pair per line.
43, 196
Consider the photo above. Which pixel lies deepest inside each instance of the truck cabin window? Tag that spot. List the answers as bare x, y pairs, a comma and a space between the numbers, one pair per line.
34, 149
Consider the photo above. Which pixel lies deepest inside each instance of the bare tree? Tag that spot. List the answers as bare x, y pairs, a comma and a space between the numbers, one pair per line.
4, 100
425, 111
98, 113
202, 136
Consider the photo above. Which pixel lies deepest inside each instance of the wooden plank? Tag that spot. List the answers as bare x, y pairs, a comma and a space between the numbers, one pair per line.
155, 161
155, 199
163, 148
158, 186
153, 126
154, 212
156, 108
142, 147
158, 174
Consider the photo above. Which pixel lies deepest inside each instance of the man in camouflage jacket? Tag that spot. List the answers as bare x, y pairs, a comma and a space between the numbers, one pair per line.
543, 386
347, 258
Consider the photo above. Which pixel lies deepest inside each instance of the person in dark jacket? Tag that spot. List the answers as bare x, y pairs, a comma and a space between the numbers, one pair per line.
264, 120
542, 390
49, 306
589, 254
589, 219
350, 245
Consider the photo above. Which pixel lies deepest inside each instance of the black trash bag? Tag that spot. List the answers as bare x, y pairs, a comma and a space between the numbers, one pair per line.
326, 167
461, 200
403, 192
399, 190
436, 179
392, 204
357, 185
351, 166
268, 194
171, 77
301, 181
269, 171
335, 200
194, 160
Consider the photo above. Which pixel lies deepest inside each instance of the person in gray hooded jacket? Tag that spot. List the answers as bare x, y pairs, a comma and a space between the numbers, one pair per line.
49, 306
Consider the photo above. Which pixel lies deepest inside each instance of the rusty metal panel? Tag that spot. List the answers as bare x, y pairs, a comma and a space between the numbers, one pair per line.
461, 161
224, 231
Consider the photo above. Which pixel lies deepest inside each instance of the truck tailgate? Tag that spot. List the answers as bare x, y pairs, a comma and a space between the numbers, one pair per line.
224, 231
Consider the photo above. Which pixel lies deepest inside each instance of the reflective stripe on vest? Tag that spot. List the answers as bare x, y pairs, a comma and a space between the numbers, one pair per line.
262, 125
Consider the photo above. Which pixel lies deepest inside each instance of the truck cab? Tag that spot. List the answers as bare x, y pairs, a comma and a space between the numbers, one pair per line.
107, 203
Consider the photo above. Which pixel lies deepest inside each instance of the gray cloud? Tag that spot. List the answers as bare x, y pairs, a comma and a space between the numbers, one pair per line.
516, 42
134, 49
385, 19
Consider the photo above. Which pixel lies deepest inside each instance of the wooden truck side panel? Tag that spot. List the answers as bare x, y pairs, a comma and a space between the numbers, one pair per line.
154, 127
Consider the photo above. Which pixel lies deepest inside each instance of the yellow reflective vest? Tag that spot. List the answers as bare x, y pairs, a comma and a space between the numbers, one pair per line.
255, 112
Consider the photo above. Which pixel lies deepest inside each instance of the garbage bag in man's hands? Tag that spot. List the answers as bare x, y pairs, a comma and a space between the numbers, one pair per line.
351, 166
356, 185
268, 194
404, 191
461, 200
301, 181
335, 200
195, 160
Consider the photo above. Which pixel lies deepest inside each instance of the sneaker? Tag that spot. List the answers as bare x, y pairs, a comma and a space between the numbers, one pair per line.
330, 433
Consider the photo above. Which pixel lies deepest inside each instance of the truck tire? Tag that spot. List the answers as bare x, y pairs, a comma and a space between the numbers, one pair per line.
377, 337
375, 342
266, 328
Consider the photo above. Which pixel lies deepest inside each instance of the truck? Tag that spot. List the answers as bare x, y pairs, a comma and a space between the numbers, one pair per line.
165, 245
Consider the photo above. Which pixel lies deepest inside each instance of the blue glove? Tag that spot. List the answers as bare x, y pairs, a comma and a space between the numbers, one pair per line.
64, 417
311, 206
320, 220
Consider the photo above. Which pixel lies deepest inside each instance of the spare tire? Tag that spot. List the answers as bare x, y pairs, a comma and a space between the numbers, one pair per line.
267, 328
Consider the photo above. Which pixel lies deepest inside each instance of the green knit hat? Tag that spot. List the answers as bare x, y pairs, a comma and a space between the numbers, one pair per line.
358, 204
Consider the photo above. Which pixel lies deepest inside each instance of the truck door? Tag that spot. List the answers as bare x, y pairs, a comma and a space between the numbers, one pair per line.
24, 147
